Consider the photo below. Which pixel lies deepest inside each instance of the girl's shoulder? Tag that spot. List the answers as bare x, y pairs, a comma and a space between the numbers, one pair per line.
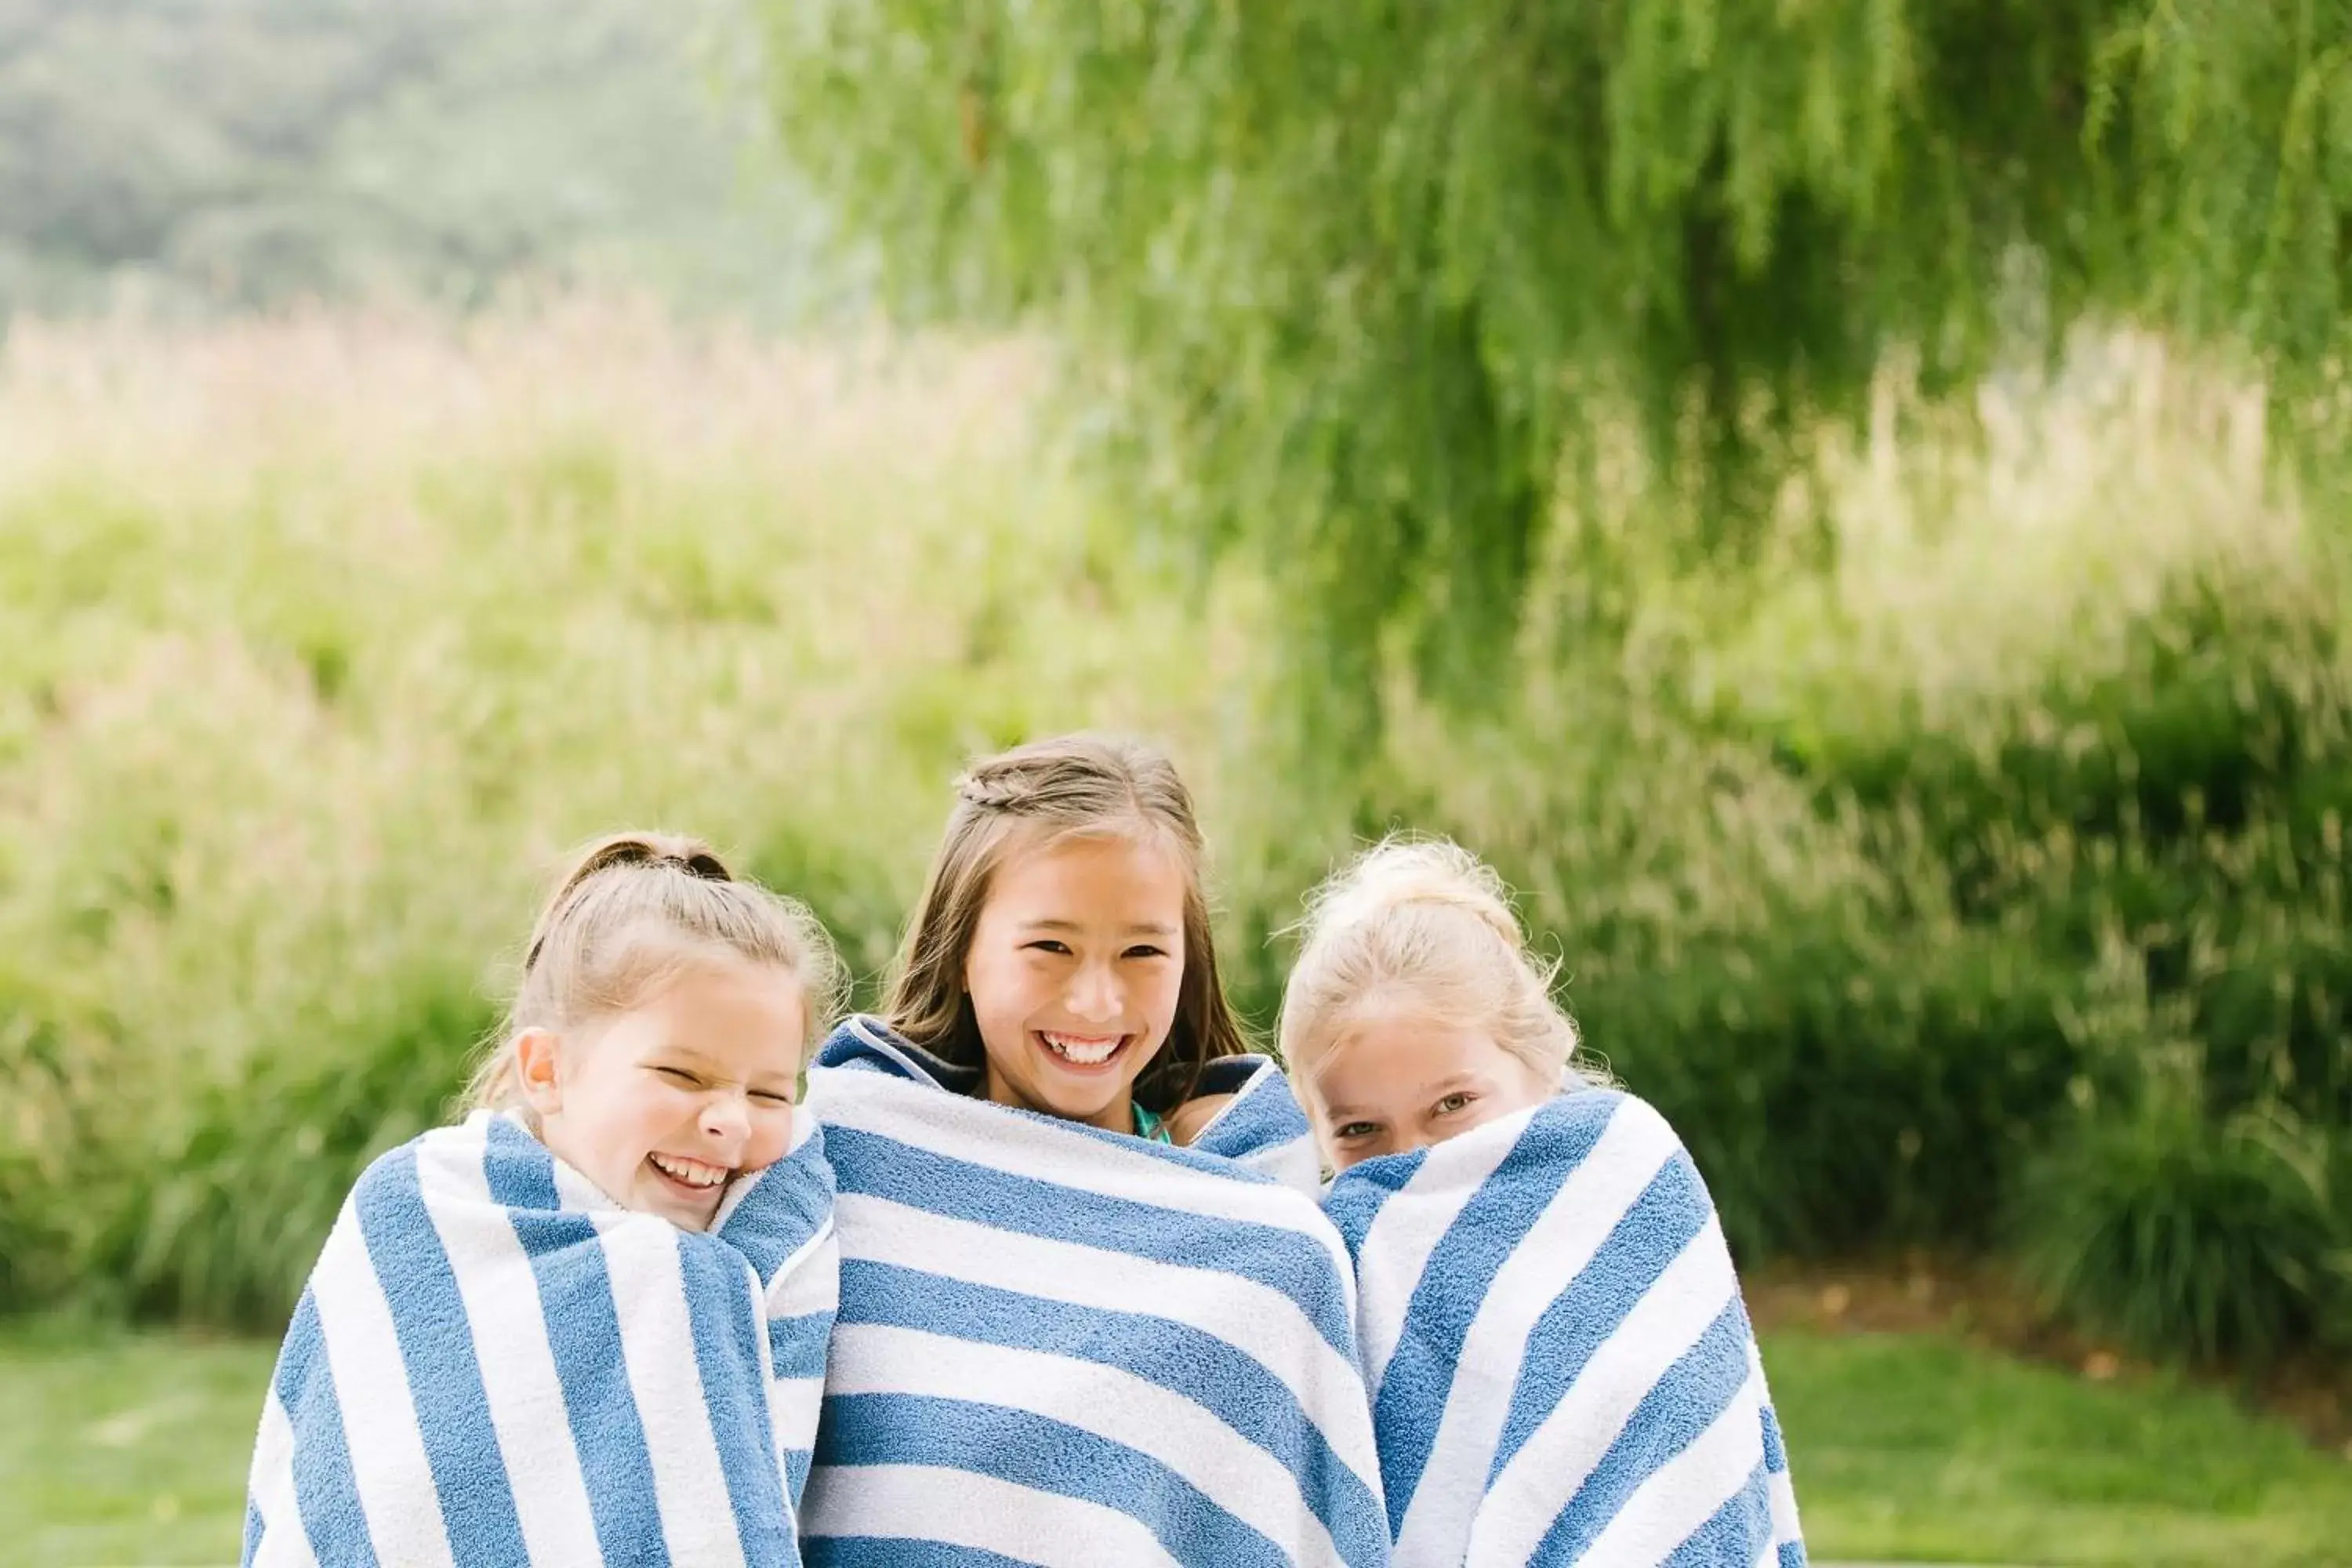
863, 1043
1586, 1117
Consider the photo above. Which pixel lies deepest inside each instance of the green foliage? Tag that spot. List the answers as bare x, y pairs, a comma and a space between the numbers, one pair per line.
1887, 876
299, 705
1363, 284
257, 153
2179, 1235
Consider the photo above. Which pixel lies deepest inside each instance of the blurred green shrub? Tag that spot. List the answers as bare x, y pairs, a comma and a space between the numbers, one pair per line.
1976, 879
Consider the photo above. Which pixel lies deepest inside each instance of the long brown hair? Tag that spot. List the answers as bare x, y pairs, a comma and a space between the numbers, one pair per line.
1070, 785
634, 911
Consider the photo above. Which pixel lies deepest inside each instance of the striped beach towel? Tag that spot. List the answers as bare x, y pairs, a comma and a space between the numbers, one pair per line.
1063, 1346
493, 1363
1561, 1366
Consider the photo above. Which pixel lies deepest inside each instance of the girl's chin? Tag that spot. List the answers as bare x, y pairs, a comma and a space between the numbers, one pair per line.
1101, 1104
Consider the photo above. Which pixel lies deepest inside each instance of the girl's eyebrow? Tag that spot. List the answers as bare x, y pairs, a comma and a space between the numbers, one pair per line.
1072, 928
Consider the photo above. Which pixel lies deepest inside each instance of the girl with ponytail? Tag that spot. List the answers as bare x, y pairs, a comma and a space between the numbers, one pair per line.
587, 1325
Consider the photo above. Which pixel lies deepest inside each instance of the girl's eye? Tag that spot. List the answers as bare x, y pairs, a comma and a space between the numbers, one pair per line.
1147, 951
1453, 1102
680, 1075
1048, 944
765, 1097
1354, 1129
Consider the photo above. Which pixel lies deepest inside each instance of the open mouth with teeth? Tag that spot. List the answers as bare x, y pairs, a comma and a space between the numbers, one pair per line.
689, 1177
1086, 1053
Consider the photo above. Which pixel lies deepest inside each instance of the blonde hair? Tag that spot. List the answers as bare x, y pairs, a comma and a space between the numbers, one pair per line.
1071, 786
1425, 922
635, 910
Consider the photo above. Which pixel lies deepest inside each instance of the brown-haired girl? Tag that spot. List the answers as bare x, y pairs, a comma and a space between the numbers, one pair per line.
1061, 948
587, 1325
1068, 1333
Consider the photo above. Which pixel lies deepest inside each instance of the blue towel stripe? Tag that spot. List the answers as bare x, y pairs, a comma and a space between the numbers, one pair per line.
1605, 1295
891, 1551
792, 1203
1707, 1378
1776, 1452
1454, 1286
1355, 1204
727, 1354
1746, 1518
326, 1491
614, 1458
797, 1344
437, 1351
1042, 1455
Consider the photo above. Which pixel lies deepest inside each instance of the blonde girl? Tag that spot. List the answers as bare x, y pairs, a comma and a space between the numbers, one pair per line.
1561, 1365
588, 1323
1416, 1010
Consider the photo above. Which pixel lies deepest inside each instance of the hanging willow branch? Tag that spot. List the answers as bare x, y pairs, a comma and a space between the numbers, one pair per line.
1349, 264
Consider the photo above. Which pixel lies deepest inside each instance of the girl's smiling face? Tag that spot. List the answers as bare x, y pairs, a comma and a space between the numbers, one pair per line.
662, 1105
1074, 973
1398, 1081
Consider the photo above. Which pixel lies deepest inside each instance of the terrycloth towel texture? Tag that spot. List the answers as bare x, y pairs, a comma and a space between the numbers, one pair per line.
493, 1363
1065, 1346
1561, 1366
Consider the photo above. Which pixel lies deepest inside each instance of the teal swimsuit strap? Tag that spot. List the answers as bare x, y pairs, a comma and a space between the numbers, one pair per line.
1152, 1127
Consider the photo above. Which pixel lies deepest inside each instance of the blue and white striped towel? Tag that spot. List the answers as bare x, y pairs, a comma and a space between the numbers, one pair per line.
494, 1363
1561, 1366
1063, 1346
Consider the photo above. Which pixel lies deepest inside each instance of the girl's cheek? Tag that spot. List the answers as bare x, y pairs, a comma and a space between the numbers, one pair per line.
769, 1138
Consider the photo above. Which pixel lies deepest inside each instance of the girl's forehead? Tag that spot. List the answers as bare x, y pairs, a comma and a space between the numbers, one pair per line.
1399, 1038
1116, 857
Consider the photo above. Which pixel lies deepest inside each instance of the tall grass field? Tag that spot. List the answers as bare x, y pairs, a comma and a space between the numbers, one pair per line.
1964, 865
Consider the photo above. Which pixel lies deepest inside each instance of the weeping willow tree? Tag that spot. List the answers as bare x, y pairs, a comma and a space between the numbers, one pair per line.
1349, 277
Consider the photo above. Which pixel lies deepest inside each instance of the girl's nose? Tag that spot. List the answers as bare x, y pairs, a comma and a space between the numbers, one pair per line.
726, 1117
1095, 994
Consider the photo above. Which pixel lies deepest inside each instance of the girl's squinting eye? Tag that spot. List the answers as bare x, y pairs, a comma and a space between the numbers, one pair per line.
1147, 950
1457, 1101
771, 1097
680, 1075
1048, 944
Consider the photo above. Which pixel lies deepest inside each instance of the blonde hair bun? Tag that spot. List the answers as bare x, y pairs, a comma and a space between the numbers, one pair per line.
1425, 921
1399, 872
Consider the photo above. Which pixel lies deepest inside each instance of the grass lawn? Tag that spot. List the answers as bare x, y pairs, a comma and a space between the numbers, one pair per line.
125, 1448
1919, 1447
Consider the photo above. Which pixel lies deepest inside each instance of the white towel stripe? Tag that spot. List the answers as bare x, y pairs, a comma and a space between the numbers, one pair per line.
283, 1544
387, 1450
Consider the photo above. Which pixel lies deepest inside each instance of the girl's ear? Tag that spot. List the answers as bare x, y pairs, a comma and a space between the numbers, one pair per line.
538, 1059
